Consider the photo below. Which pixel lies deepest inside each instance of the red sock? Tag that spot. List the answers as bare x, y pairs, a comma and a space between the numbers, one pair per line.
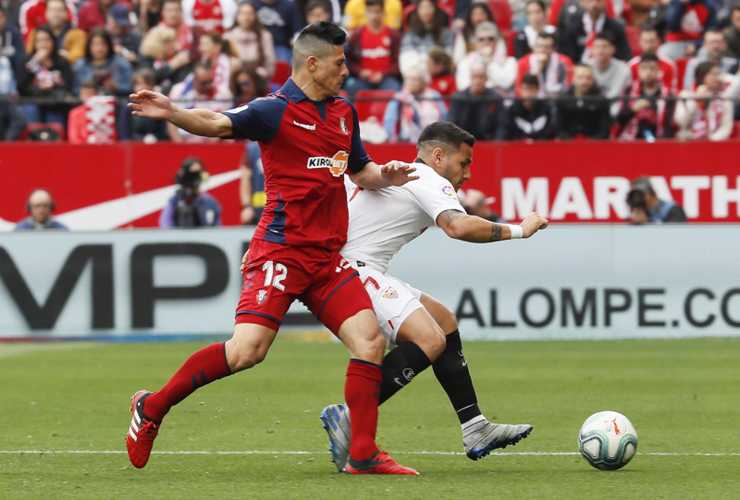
361, 392
201, 368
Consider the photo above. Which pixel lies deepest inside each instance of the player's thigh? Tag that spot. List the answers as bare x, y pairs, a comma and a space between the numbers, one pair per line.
420, 328
273, 277
248, 345
441, 314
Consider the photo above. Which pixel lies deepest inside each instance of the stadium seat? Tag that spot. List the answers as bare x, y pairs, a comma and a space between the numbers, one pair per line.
372, 103
43, 132
282, 72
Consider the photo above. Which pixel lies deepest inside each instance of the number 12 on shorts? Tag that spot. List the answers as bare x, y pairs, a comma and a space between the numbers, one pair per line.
275, 274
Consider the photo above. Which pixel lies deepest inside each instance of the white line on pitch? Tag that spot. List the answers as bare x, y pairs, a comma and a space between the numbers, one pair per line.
306, 452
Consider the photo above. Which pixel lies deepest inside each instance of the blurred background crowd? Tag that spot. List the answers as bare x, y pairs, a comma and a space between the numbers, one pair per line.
502, 69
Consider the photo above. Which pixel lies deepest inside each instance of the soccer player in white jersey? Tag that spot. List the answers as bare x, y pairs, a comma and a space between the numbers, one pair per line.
419, 329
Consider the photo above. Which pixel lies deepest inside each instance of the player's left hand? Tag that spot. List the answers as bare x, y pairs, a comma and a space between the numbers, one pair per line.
398, 173
533, 223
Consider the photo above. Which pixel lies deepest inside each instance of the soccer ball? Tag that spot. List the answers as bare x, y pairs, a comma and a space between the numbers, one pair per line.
607, 440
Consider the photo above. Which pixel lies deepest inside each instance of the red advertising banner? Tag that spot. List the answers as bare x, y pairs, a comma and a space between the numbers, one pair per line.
127, 184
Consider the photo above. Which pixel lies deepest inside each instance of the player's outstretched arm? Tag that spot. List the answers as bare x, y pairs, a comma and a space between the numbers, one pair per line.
374, 176
149, 104
461, 226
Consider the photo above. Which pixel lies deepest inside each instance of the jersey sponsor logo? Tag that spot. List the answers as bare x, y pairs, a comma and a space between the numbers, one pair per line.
337, 164
307, 126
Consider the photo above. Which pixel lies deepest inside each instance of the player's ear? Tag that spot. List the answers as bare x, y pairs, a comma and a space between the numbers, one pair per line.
438, 154
312, 63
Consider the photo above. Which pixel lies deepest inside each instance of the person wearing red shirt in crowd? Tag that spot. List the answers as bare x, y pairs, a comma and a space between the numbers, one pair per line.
33, 14
93, 14
687, 21
372, 55
441, 72
204, 16
172, 18
93, 121
649, 44
552, 69
309, 139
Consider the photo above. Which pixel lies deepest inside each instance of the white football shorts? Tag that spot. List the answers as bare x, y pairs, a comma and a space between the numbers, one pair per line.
393, 300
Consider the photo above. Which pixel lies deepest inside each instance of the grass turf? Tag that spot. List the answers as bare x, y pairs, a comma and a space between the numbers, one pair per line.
682, 396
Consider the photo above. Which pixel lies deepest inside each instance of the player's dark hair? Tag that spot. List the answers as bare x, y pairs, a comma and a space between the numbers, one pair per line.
446, 133
324, 31
649, 57
374, 3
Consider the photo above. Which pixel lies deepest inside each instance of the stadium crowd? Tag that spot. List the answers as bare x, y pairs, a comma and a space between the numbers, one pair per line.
502, 69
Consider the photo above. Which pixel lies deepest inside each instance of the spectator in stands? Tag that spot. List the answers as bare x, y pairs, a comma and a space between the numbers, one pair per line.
649, 44
491, 52
126, 40
582, 111
206, 16
196, 91
282, 20
704, 113
577, 37
355, 12
172, 18
612, 75
465, 37
111, 72
413, 108
477, 109
246, 84
647, 110
93, 121
536, 24
70, 40
40, 207
189, 207
714, 50
732, 32
646, 208
32, 14
8, 84
149, 14
12, 121
427, 28
686, 21
252, 42
159, 53
251, 185
213, 49
93, 13
11, 44
146, 129
47, 75
528, 116
552, 69
441, 71
317, 11
477, 203
372, 53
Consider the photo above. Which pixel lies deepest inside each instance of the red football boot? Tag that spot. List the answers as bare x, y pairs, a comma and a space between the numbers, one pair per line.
380, 463
141, 432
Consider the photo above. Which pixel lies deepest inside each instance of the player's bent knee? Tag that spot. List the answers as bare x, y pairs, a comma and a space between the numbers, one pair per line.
371, 347
248, 347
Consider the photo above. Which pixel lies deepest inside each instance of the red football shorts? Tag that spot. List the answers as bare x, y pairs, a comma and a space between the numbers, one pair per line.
276, 275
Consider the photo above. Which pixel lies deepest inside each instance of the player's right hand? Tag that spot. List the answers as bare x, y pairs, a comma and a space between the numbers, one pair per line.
533, 223
150, 104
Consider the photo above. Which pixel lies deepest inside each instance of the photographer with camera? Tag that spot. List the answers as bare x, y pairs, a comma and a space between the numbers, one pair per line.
646, 208
189, 207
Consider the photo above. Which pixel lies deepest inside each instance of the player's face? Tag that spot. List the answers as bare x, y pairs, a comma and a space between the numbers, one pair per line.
331, 71
457, 165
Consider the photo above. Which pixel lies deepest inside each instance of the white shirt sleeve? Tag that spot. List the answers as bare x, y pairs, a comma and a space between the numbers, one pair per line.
433, 193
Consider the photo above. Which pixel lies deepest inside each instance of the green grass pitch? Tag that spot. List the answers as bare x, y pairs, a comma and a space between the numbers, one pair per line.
683, 396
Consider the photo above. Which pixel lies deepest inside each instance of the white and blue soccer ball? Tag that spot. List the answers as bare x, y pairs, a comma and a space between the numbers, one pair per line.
607, 440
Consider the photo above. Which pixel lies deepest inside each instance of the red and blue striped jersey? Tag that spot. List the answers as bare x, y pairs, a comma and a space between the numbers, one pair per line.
306, 148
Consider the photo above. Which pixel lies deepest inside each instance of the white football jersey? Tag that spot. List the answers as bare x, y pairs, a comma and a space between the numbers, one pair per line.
382, 221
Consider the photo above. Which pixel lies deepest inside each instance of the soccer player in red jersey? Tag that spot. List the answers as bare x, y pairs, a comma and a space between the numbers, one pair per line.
309, 138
